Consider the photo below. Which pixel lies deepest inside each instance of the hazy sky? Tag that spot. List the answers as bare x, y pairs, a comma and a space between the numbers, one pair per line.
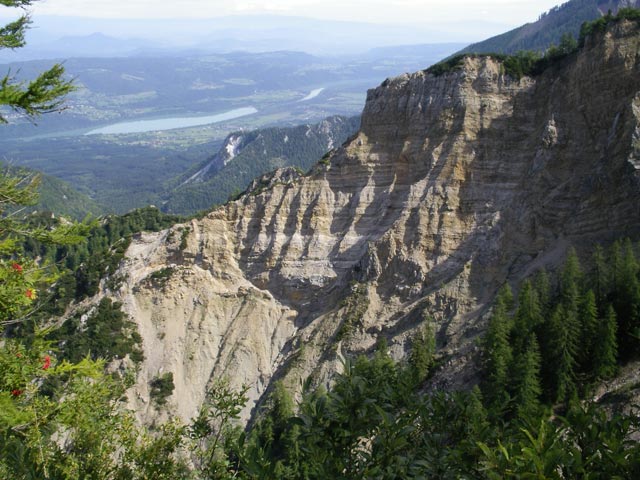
510, 12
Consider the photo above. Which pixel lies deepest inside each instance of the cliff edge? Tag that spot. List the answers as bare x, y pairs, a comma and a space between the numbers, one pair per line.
453, 186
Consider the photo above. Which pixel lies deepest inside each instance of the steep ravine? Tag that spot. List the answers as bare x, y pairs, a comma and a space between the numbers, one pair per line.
454, 185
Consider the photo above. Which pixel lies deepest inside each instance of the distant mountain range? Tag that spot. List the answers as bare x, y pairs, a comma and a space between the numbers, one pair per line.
69, 37
550, 27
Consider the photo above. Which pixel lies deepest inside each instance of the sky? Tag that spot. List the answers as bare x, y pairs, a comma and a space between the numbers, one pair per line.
507, 12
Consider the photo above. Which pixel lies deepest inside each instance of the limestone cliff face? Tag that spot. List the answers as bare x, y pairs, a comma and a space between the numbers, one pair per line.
454, 185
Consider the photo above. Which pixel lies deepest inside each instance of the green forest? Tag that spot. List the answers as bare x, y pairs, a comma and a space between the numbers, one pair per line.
549, 29
529, 61
545, 351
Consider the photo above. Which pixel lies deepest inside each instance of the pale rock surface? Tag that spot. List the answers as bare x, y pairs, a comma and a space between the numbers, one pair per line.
454, 186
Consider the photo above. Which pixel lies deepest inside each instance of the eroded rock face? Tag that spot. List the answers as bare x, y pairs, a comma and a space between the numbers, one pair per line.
453, 186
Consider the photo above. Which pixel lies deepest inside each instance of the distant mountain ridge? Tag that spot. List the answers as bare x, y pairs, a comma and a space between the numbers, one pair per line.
244, 156
550, 27
254, 33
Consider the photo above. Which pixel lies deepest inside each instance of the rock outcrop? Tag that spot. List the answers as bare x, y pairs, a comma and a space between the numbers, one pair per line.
453, 186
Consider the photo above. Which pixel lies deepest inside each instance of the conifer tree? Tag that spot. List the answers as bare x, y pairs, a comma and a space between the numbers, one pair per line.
570, 281
588, 318
605, 352
526, 381
600, 275
497, 353
542, 287
528, 317
422, 351
564, 331
626, 300
46, 92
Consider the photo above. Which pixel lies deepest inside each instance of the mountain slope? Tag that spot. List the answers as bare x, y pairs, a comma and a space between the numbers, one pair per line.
59, 197
247, 155
453, 186
550, 27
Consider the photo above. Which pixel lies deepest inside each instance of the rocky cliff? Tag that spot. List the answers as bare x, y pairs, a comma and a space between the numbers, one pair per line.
453, 186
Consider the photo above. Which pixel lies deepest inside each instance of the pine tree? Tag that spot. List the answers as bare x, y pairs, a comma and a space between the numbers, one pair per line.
626, 300
528, 317
423, 349
570, 281
600, 275
564, 340
605, 354
46, 92
526, 381
542, 287
588, 318
19, 277
497, 354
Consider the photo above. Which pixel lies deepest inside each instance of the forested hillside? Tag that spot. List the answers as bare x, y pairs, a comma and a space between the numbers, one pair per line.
248, 155
550, 27
57, 196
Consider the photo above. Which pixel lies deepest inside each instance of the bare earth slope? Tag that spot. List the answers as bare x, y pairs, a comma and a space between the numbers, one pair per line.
454, 185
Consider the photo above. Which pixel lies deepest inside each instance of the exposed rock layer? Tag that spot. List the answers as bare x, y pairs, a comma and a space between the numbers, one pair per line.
454, 185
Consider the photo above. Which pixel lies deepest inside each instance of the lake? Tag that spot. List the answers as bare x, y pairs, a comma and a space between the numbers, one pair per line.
313, 94
141, 126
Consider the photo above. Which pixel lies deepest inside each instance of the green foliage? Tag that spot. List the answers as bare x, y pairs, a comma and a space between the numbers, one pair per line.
372, 423
535, 57
423, 349
605, 351
497, 353
160, 277
104, 333
184, 235
161, 388
526, 381
523, 63
600, 25
215, 436
448, 65
565, 19
560, 341
58, 420
355, 306
46, 92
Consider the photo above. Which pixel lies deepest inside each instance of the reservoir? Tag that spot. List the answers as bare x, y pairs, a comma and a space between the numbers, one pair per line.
141, 126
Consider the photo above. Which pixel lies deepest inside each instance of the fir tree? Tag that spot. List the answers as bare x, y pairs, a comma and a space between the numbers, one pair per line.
422, 351
570, 280
626, 300
497, 354
564, 332
528, 317
605, 352
543, 289
588, 317
600, 275
526, 381
46, 92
